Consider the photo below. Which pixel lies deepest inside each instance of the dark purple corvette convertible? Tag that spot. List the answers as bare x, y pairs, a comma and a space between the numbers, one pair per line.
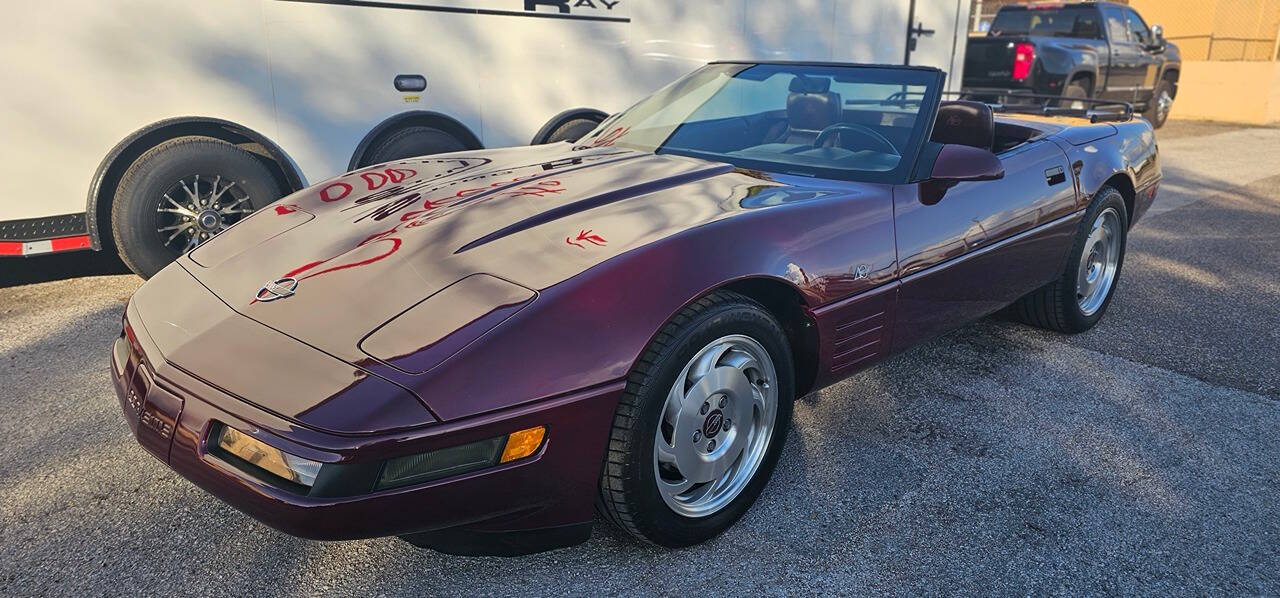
478, 351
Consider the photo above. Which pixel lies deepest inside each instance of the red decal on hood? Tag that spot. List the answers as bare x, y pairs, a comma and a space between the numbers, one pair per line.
382, 180
328, 197
537, 189
286, 209
398, 174
611, 137
588, 236
395, 246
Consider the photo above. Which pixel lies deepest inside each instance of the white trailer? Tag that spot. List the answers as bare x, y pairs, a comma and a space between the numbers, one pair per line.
146, 126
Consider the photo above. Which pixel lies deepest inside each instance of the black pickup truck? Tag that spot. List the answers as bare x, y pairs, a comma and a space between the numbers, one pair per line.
1082, 50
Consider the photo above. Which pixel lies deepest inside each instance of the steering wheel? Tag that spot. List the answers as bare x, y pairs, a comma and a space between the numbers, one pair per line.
880, 140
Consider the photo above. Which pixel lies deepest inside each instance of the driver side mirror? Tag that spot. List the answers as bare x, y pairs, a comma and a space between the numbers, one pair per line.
958, 163
1157, 35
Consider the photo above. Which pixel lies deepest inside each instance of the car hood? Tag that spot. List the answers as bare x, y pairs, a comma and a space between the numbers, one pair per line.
369, 245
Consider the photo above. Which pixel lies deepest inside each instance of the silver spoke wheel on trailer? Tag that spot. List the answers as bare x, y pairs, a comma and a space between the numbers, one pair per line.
1099, 262
716, 426
194, 210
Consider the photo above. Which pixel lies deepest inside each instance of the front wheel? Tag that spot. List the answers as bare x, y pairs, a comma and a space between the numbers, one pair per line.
701, 423
1076, 301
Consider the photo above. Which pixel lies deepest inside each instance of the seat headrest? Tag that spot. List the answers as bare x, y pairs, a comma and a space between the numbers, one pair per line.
964, 122
803, 84
813, 111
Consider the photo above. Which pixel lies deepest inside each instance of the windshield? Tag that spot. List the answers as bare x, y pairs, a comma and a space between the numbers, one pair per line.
860, 123
1078, 22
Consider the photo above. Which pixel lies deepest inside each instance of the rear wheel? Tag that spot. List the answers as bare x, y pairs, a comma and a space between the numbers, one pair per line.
1072, 95
1076, 301
701, 423
572, 130
1157, 111
180, 194
411, 142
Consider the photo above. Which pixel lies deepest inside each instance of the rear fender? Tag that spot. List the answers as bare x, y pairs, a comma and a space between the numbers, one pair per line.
1128, 160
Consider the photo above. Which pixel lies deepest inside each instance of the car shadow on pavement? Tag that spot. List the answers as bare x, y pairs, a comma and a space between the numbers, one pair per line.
47, 268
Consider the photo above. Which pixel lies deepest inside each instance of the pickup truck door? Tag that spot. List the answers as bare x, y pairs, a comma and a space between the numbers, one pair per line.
1148, 61
983, 244
1126, 56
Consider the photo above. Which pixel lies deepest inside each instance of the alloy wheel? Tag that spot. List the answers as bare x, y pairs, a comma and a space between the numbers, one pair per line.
1099, 262
193, 210
716, 426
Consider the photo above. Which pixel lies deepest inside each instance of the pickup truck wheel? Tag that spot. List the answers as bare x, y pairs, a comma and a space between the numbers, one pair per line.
701, 423
1074, 91
1161, 102
1078, 298
180, 194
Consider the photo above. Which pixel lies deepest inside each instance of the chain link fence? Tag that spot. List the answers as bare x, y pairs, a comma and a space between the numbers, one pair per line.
1222, 30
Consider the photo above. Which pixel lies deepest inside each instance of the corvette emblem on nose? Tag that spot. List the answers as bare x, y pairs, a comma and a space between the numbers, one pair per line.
277, 289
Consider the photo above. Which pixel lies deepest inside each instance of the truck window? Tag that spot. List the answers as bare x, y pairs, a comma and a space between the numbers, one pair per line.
1078, 22
1138, 28
1117, 30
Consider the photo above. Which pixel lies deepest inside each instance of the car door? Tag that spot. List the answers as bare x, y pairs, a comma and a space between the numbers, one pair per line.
982, 245
1126, 57
1148, 63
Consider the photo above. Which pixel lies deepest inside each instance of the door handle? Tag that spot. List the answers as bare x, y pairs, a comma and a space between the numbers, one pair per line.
1055, 176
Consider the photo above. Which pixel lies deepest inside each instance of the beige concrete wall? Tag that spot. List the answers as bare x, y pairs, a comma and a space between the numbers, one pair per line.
1242, 29
1244, 92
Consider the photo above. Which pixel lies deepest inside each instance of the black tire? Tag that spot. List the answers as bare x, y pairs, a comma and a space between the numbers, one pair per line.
134, 216
629, 496
1153, 113
1055, 306
1075, 90
572, 130
411, 142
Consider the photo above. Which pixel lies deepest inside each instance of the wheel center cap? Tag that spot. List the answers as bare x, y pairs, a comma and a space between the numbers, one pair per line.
209, 220
711, 425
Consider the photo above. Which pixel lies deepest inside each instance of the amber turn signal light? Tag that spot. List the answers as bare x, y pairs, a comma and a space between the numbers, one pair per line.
523, 443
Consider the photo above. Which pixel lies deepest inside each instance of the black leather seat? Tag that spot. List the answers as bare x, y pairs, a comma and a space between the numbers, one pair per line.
811, 107
965, 123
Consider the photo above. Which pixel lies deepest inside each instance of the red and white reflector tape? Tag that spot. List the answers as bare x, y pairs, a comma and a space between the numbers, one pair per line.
45, 246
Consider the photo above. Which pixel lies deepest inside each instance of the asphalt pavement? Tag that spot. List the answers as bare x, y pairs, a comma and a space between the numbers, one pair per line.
1141, 457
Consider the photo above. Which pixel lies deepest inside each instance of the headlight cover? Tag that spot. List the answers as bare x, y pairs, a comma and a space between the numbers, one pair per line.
266, 457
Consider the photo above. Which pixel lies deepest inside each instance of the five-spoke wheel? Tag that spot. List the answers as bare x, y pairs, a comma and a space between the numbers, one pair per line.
700, 426
715, 426
1076, 300
1099, 262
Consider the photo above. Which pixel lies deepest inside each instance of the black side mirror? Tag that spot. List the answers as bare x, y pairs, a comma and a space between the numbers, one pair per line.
958, 163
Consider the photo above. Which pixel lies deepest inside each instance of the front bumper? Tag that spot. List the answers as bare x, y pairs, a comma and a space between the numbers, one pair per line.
171, 412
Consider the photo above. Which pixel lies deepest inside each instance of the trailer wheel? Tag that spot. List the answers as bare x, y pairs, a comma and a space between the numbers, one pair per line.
411, 142
180, 194
572, 130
